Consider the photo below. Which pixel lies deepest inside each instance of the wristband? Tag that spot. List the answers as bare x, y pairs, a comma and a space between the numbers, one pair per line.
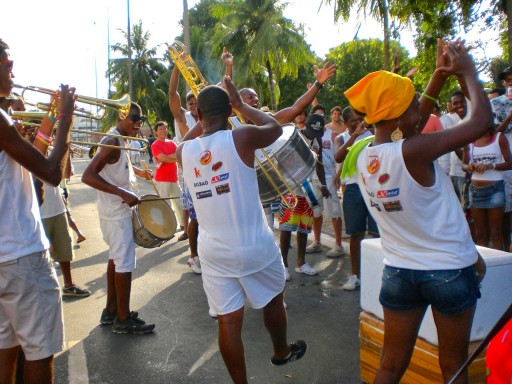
60, 116
52, 118
44, 137
318, 85
43, 141
428, 97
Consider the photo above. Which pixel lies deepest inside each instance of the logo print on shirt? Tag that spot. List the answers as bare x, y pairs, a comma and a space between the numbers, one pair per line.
371, 194
393, 206
375, 205
201, 184
374, 164
326, 144
197, 172
216, 166
205, 157
224, 188
203, 194
389, 193
216, 179
383, 179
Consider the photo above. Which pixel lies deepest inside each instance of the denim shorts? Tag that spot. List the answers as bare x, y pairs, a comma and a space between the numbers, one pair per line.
357, 217
448, 291
490, 196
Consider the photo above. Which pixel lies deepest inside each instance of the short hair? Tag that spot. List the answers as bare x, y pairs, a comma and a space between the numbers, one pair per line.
3, 47
317, 107
346, 113
134, 105
336, 108
499, 91
159, 123
213, 101
190, 95
457, 93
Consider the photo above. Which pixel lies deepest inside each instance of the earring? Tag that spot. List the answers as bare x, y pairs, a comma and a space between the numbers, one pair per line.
397, 135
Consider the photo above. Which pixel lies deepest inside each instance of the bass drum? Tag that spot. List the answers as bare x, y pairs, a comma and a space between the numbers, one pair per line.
292, 156
154, 222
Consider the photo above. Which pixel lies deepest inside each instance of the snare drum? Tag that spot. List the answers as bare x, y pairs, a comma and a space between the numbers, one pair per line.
293, 158
154, 222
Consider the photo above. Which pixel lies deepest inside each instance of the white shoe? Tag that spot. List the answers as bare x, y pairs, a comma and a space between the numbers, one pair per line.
285, 306
352, 283
314, 247
286, 273
306, 269
212, 313
336, 251
195, 264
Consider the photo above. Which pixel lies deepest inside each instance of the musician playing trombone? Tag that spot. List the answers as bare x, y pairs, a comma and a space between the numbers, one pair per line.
30, 302
111, 174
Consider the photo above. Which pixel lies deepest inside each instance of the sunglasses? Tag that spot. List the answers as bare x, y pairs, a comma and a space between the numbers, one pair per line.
10, 64
137, 118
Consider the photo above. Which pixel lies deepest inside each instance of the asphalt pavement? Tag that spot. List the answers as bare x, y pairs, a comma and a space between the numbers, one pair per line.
183, 348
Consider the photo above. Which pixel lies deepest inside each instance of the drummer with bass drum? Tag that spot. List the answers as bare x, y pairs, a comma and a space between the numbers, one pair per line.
111, 173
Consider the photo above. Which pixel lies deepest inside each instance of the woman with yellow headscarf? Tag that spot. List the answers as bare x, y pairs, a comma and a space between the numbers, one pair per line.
429, 255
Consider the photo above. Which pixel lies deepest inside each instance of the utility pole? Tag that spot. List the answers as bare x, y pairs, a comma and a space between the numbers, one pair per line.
186, 30
130, 75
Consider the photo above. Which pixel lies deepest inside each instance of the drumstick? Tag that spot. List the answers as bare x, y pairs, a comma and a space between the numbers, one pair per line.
152, 181
160, 198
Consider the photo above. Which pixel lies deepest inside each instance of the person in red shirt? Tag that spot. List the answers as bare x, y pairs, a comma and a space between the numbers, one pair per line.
166, 174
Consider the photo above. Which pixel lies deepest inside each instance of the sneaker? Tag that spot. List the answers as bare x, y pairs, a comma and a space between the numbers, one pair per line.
298, 349
306, 269
212, 313
314, 247
336, 251
352, 283
76, 291
132, 325
107, 318
286, 273
195, 264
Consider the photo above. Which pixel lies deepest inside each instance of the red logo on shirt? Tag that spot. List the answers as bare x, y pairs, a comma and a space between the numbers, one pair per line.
197, 172
216, 166
374, 165
205, 157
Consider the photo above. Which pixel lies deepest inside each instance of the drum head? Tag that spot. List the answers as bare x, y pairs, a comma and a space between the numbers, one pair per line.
157, 217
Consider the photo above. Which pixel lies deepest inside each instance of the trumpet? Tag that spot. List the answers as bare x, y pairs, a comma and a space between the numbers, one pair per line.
122, 105
33, 118
196, 82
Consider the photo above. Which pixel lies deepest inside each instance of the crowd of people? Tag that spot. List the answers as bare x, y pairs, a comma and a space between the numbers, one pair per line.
431, 187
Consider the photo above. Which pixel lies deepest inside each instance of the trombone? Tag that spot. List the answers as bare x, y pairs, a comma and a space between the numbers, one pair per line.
190, 72
122, 105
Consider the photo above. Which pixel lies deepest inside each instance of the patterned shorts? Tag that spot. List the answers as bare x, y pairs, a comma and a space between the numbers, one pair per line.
299, 218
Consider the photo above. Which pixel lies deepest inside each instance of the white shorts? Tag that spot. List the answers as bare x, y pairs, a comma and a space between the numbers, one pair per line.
168, 189
228, 294
31, 306
332, 205
118, 234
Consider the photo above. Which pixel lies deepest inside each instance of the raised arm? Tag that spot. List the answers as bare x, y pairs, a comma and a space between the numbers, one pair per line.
175, 102
287, 115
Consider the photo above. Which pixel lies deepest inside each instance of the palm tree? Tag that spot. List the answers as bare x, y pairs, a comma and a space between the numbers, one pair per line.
146, 69
262, 41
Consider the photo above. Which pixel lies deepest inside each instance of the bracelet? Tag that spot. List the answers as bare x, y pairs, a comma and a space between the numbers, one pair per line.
44, 136
52, 118
60, 116
318, 85
43, 141
428, 97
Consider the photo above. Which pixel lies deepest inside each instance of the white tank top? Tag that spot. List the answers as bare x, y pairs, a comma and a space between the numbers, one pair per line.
110, 206
234, 237
21, 229
328, 154
490, 154
421, 228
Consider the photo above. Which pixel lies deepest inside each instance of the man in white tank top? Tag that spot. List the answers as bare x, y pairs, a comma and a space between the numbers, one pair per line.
110, 173
240, 260
25, 266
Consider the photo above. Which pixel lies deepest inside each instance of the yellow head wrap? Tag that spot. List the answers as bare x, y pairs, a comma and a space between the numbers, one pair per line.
381, 96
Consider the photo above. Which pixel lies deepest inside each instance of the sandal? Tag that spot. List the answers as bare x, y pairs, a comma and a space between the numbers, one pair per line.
298, 349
